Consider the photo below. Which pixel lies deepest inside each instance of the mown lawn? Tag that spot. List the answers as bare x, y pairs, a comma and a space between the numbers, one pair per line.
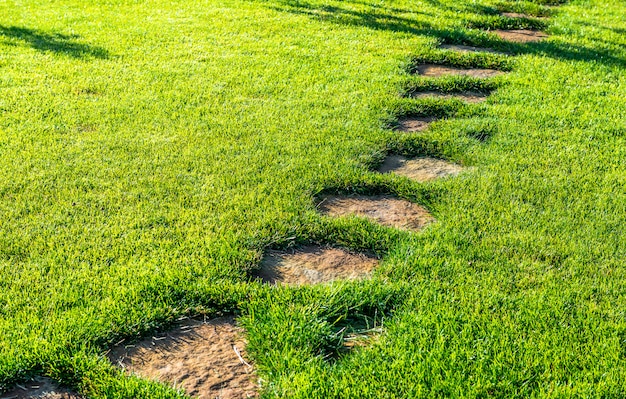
151, 150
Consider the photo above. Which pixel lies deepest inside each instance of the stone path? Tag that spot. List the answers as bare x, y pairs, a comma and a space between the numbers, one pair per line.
207, 359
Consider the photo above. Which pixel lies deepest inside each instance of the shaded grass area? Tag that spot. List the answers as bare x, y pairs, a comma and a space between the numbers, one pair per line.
152, 150
50, 42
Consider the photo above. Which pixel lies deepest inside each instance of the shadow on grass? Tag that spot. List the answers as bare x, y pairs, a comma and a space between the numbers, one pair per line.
52, 42
382, 18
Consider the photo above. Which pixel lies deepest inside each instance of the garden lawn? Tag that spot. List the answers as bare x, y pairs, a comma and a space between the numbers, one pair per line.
150, 151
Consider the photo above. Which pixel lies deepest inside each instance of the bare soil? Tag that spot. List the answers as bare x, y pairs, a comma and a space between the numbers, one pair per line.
520, 15
433, 70
515, 15
205, 359
468, 49
388, 211
467, 96
314, 265
39, 388
415, 124
420, 169
520, 35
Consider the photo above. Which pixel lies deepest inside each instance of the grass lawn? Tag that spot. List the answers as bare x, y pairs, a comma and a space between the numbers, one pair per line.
151, 150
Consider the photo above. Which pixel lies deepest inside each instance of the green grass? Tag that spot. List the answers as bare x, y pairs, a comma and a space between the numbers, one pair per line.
151, 150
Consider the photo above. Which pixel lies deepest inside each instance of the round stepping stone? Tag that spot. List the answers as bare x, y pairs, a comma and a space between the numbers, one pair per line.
39, 388
514, 15
421, 169
314, 265
520, 35
388, 211
433, 70
205, 359
467, 96
415, 124
520, 15
468, 49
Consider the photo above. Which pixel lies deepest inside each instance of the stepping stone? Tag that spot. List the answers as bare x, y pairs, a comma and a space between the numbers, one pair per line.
314, 265
467, 96
205, 359
39, 388
514, 15
433, 70
520, 15
468, 49
388, 211
421, 169
416, 124
520, 35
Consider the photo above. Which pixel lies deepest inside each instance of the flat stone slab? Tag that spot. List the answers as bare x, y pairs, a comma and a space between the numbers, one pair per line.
421, 169
39, 388
468, 49
415, 124
514, 15
433, 70
520, 35
388, 211
519, 15
314, 265
472, 97
205, 359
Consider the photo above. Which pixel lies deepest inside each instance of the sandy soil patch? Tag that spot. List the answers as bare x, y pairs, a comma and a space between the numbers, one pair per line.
514, 15
39, 388
467, 96
314, 265
520, 35
415, 124
388, 211
468, 49
205, 359
420, 169
520, 15
433, 70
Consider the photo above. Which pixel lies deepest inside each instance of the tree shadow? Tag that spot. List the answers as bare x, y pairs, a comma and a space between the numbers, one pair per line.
52, 42
378, 18
381, 18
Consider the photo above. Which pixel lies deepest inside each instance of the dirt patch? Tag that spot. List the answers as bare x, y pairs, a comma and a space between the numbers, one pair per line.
420, 169
39, 388
433, 70
520, 15
415, 124
388, 211
468, 49
314, 265
205, 359
520, 35
467, 96
514, 15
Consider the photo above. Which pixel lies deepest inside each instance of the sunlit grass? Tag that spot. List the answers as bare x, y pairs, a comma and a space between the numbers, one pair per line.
151, 150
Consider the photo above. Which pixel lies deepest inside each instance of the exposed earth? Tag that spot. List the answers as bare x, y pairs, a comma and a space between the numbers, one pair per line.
205, 359
314, 265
